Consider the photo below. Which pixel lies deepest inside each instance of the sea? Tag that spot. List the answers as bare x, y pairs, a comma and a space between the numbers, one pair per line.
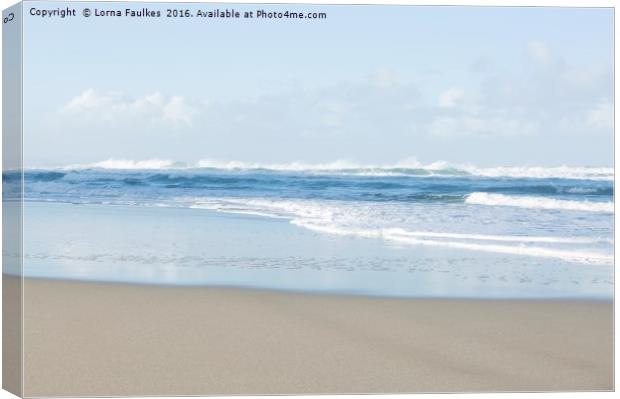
437, 230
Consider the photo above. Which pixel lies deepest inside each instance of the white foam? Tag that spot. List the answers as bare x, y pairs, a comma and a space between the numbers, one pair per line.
487, 237
573, 256
401, 168
433, 169
537, 202
125, 164
336, 218
409, 238
539, 172
285, 167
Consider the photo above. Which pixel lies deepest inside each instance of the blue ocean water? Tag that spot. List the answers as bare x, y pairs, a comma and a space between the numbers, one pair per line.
534, 221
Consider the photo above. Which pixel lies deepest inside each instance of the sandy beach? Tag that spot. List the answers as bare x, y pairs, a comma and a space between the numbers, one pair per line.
85, 339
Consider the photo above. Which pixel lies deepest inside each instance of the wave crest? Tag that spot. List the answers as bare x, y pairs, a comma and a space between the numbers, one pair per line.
126, 164
537, 202
409, 167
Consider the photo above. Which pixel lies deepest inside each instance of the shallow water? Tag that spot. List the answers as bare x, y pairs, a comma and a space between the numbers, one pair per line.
185, 246
552, 213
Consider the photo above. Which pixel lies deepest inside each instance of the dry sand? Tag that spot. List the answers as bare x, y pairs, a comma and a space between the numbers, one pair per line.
89, 339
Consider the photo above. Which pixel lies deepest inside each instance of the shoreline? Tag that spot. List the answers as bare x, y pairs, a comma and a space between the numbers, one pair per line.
316, 292
189, 247
94, 338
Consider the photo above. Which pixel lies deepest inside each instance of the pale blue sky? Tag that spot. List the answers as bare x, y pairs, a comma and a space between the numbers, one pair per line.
371, 84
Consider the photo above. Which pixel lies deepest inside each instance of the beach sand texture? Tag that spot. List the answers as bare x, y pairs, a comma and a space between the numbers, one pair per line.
85, 339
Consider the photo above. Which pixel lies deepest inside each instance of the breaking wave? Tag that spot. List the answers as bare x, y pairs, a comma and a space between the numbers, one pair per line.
347, 220
538, 202
403, 168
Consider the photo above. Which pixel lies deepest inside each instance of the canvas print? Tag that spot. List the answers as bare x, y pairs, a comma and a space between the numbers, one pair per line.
224, 199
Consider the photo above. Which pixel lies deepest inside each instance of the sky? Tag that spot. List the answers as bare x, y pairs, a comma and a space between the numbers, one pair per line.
488, 86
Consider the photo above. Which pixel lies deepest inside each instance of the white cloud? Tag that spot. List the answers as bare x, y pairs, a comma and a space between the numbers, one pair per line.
601, 116
540, 52
177, 110
88, 99
535, 103
115, 106
450, 97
